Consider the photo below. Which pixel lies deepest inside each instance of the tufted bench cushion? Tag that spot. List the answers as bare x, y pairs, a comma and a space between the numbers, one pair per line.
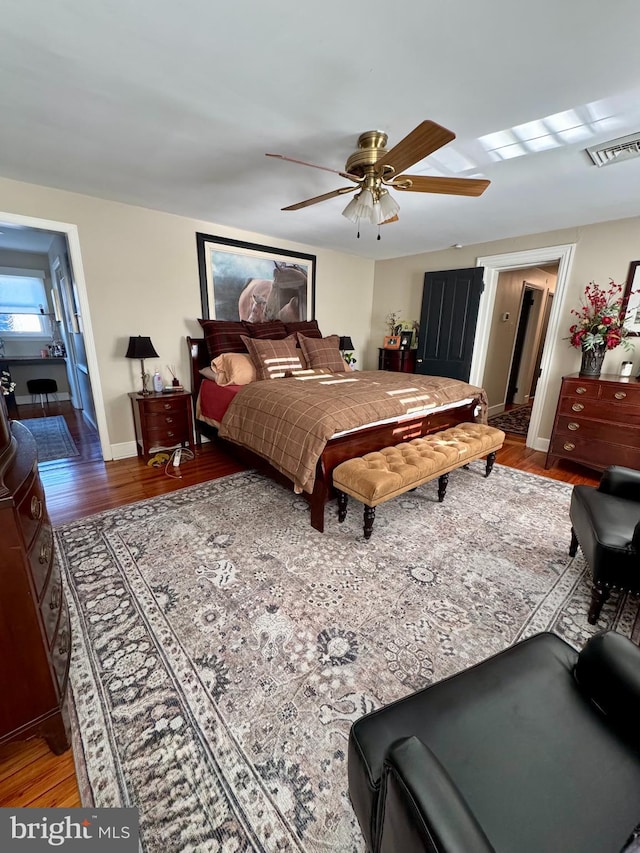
377, 477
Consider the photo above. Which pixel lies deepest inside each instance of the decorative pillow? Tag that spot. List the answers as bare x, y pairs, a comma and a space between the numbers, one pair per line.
234, 368
223, 336
273, 330
305, 327
272, 359
322, 352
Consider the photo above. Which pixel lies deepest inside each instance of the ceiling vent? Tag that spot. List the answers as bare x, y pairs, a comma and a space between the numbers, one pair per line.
616, 150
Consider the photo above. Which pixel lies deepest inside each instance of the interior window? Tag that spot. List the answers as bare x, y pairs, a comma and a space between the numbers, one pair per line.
23, 306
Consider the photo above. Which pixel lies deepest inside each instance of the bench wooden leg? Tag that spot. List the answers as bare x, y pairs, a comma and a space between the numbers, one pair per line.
491, 458
369, 518
599, 596
342, 505
443, 482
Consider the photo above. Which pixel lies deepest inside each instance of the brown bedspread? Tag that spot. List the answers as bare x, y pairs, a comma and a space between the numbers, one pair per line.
289, 421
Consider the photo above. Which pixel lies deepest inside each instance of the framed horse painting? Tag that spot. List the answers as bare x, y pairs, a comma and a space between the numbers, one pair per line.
247, 281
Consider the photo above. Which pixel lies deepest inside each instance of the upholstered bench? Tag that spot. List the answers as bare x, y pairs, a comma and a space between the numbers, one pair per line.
377, 477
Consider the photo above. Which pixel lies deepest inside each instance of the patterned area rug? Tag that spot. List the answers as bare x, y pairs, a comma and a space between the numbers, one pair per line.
222, 647
516, 420
53, 439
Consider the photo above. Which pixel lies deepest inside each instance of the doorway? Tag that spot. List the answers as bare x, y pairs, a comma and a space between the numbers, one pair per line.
519, 324
72, 279
495, 264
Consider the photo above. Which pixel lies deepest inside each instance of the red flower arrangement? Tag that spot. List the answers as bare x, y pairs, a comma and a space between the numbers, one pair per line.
600, 321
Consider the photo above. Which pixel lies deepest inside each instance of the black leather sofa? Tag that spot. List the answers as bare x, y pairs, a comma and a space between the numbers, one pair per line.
535, 750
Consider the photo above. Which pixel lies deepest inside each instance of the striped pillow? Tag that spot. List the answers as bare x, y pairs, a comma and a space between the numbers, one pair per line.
274, 359
271, 330
323, 352
305, 327
223, 336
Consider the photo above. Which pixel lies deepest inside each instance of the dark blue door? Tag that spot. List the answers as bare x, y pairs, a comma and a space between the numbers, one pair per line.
448, 320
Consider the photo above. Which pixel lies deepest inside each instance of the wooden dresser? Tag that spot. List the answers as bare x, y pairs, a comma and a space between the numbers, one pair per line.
597, 422
34, 621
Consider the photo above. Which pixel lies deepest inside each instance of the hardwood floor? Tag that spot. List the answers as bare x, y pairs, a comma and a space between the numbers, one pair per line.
30, 775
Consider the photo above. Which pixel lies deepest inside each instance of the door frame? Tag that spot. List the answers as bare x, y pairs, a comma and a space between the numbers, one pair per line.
495, 264
73, 242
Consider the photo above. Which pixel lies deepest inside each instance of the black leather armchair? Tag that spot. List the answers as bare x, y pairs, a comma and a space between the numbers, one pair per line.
605, 522
535, 750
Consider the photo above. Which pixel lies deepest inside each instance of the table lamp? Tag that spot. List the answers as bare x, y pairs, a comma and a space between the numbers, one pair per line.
141, 347
345, 343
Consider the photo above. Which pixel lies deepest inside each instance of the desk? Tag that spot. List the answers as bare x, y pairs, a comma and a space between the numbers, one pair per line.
23, 368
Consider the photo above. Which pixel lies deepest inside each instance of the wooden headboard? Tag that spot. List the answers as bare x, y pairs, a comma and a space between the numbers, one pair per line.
199, 358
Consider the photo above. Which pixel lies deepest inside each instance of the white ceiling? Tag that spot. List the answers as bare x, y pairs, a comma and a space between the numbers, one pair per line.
172, 106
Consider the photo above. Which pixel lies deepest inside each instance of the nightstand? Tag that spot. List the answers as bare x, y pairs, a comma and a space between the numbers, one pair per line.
162, 421
400, 360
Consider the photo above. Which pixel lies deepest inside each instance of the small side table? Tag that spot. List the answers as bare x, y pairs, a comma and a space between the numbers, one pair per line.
400, 360
162, 421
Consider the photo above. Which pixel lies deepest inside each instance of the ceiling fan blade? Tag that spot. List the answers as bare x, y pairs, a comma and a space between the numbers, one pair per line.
347, 175
426, 138
447, 186
319, 198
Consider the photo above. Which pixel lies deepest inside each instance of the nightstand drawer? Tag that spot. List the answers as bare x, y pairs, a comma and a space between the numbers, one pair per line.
163, 436
41, 557
171, 420
32, 510
166, 405
51, 604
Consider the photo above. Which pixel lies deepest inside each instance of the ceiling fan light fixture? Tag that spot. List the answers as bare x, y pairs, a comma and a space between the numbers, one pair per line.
364, 205
350, 210
388, 207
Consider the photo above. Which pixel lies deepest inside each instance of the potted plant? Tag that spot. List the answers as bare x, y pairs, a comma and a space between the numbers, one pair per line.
599, 326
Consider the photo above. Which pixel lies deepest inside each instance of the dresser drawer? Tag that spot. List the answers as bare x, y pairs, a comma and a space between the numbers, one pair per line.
580, 389
61, 649
51, 604
609, 432
41, 558
600, 410
31, 510
593, 452
173, 420
627, 394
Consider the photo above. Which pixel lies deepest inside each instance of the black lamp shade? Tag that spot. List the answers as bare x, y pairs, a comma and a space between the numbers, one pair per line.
140, 347
345, 343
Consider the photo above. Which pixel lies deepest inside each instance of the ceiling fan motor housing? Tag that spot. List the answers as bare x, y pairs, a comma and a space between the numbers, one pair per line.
371, 148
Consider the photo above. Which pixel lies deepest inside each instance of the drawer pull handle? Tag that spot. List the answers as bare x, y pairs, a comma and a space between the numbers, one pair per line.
573, 426
577, 407
45, 553
54, 604
620, 395
581, 390
169, 420
167, 405
569, 445
170, 433
36, 508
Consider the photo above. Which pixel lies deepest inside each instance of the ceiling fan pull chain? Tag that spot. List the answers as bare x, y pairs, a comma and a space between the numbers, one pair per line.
378, 237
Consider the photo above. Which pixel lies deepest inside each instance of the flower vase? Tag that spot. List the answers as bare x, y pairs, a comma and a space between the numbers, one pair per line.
592, 360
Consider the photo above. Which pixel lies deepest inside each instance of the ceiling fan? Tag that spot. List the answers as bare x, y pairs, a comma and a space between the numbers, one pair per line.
374, 170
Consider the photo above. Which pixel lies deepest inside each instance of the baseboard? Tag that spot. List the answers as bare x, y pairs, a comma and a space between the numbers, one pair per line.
498, 409
26, 399
541, 444
124, 450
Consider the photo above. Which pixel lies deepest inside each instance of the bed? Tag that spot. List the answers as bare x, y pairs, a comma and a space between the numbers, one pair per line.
243, 414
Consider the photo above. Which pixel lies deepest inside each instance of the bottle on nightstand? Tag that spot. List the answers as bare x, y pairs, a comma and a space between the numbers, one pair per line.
158, 384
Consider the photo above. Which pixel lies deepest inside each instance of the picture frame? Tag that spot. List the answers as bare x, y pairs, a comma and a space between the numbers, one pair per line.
391, 342
406, 339
631, 300
252, 282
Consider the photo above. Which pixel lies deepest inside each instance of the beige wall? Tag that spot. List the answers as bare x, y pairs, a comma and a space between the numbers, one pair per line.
603, 251
141, 274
